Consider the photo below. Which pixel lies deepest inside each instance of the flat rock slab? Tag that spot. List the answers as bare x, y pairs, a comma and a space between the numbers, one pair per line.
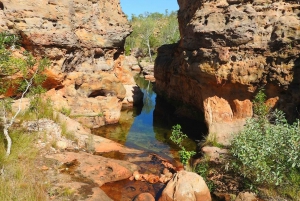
95, 168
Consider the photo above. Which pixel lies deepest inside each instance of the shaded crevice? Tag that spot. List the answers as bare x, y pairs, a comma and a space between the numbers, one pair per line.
101, 92
1, 6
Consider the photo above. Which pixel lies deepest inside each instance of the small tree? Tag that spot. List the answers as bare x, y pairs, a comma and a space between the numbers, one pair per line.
20, 75
146, 33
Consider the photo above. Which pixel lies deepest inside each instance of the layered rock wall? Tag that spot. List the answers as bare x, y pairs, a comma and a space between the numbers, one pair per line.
84, 40
228, 50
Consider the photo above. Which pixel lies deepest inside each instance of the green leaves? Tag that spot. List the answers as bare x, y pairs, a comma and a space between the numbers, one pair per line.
152, 30
267, 152
177, 137
8, 40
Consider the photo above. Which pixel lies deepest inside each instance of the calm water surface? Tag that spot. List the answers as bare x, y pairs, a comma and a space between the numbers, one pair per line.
148, 126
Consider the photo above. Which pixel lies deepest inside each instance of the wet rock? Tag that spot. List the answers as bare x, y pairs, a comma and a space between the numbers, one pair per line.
186, 186
97, 195
144, 197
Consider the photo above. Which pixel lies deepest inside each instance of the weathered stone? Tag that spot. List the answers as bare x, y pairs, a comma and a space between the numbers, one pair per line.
98, 169
61, 144
134, 96
246, 196
228, 50
186, 186
84, 41
214, 153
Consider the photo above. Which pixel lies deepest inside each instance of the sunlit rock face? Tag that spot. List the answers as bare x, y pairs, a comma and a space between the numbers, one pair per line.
228, 50
84, 40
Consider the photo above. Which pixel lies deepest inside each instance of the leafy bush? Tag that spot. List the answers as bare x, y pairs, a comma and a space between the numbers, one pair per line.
267, 150
177, 137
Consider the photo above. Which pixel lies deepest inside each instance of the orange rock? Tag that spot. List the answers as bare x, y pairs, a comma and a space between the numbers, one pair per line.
153, 179
186, 186
145, 177
44, 168
144, 197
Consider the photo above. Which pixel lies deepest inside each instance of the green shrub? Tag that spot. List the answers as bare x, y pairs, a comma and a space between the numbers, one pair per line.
202, 169
267, 150
177, 137
66, 111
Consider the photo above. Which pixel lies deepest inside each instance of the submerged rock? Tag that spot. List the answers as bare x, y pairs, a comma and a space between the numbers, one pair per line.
144, 197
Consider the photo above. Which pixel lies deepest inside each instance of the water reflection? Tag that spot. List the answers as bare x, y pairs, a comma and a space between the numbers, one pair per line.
149, 127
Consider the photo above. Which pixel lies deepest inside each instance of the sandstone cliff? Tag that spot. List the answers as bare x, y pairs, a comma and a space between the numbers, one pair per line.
228, 50
84, 39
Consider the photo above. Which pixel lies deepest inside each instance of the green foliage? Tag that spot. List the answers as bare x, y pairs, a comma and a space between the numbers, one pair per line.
177, 137
151, 31
38, 109
19, 76
211, 140
202, 169
185, 156
259, 106
20, 179
267, 152
66, 111
65, 132
127, 50
26, 68
8, 40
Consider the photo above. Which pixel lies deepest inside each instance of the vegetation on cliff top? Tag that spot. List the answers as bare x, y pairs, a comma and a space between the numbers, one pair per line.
150, 31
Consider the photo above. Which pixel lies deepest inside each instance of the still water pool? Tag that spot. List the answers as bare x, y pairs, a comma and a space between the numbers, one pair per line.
148, 127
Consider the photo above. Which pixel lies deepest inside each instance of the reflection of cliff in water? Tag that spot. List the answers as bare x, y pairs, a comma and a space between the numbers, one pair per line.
118, 132
166, 115
148, 126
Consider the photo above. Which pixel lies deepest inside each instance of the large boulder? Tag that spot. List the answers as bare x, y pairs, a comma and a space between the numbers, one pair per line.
228, 50
187, 186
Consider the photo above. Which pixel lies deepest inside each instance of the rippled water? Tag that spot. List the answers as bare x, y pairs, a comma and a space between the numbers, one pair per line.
148, 127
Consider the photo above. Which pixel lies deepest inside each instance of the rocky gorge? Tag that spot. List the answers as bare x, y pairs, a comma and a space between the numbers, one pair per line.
227, 51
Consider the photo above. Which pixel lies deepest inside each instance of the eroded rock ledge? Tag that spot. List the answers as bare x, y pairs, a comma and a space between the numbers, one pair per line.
84, 40
228, 50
